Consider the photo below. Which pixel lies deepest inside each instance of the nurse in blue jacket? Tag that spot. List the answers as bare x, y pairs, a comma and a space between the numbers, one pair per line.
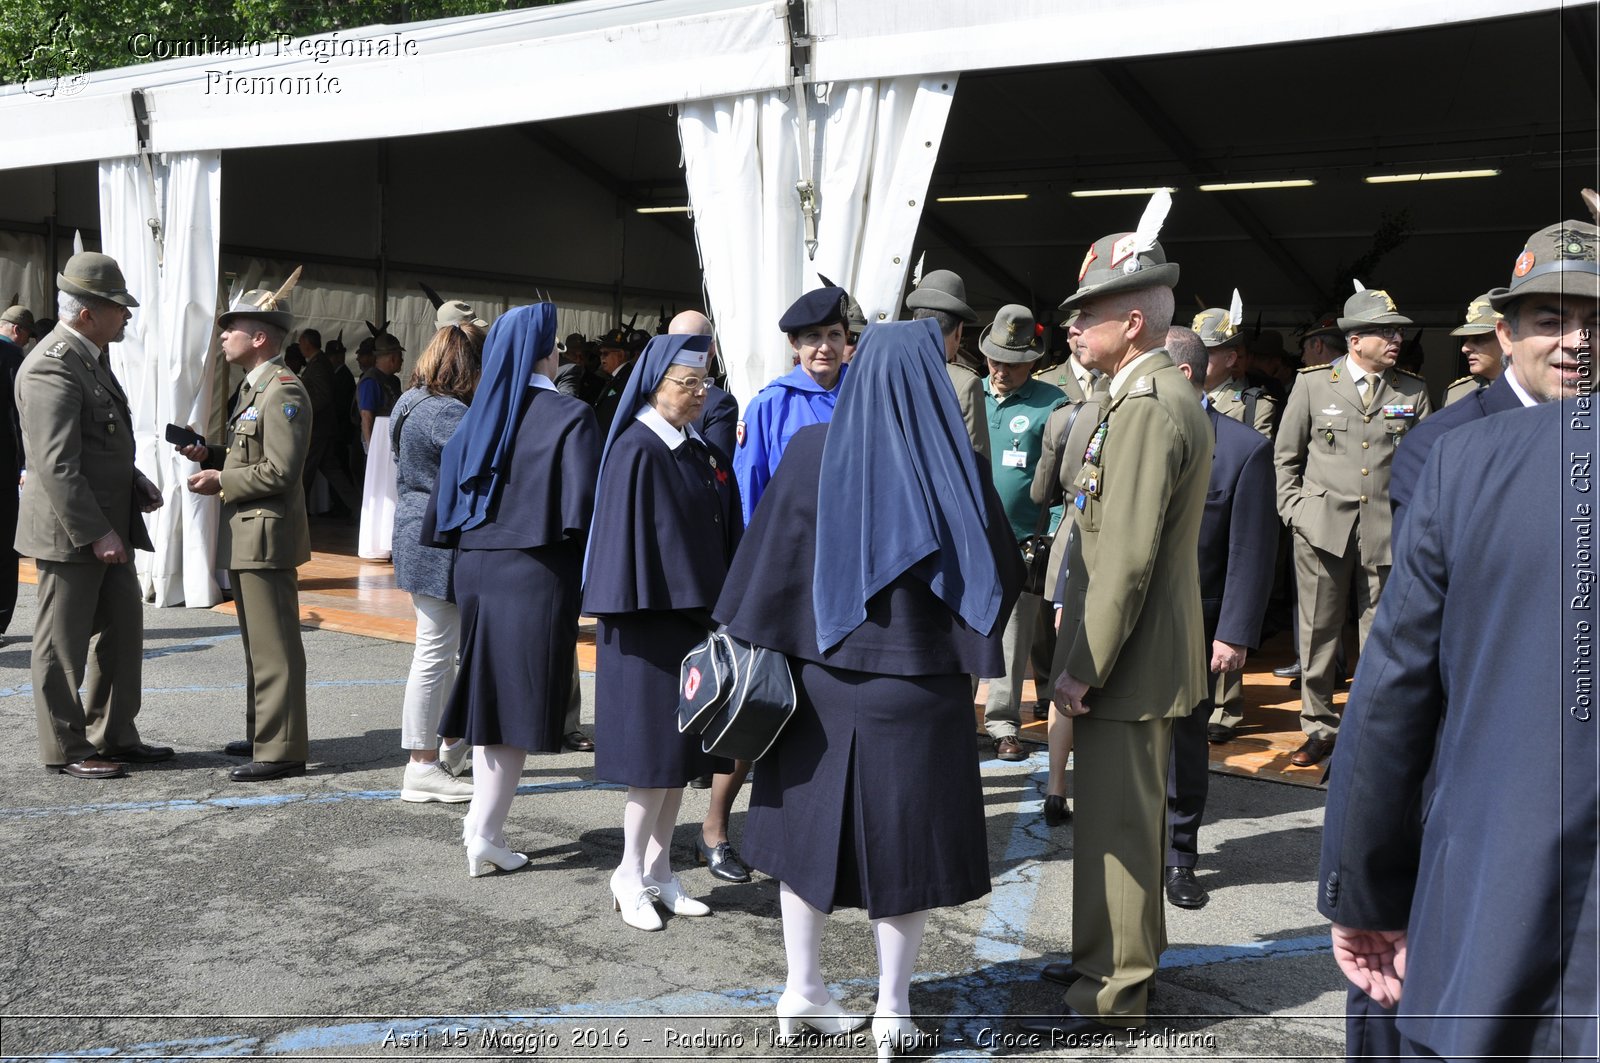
804, 396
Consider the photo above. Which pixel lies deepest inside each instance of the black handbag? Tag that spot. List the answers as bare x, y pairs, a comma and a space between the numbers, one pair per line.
736, 696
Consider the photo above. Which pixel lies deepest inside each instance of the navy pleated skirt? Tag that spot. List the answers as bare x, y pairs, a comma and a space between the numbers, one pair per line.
636, 739
871, 797
519, 630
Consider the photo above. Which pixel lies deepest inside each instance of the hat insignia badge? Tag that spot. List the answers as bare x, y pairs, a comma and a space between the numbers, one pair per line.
1088, 258
1524, 263
1388, 303
1011, 332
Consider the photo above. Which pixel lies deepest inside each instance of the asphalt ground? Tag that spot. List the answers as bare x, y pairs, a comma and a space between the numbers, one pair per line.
178, 915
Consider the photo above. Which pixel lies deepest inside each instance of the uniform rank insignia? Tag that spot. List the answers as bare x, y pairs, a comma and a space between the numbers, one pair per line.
1141, 386
289, 410
57, 349
250, 414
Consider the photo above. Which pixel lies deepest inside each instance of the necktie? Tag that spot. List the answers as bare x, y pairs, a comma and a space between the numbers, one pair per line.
1369, 388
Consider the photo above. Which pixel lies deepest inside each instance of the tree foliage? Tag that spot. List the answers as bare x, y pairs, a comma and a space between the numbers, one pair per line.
62, 38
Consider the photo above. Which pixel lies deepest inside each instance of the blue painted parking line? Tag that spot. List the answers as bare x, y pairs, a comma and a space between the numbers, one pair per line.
183, 804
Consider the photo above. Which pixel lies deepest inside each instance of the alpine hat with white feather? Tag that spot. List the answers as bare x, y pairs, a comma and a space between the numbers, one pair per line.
1370, 306
1127, 262
263, 304
1217, 327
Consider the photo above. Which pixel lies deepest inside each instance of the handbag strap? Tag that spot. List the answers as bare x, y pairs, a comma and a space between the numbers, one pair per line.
1055, 474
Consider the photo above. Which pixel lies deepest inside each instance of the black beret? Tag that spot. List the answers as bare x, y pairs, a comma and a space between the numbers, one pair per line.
825, 306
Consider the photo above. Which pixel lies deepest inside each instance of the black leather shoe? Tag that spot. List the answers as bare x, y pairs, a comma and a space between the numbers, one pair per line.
1009, 747
1070, 1025
1041, 710
1314, 751
721, 860
90, 768
701, 782
1056, 811
1059, 972
242, 748
262, 770
140, 754
578, 742
1288, 671
1183, 890
1218, 733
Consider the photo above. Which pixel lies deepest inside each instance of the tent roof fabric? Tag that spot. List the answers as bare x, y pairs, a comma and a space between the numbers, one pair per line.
593, 56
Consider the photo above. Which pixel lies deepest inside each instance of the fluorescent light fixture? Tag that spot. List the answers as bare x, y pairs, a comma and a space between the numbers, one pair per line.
663, 210
1437, 175
1089, 193
982, 199
1240, 186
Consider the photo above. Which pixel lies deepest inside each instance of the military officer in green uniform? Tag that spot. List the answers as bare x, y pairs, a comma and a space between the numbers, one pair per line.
1335, 443
1227, 384
1016, 407
1131, 613
78, 518
264, 537
1482, 348
942, 295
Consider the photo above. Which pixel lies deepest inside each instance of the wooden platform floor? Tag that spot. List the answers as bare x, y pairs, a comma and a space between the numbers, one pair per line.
341, 592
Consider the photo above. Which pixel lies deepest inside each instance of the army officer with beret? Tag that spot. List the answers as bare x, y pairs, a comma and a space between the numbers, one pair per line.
79, 519
264, 536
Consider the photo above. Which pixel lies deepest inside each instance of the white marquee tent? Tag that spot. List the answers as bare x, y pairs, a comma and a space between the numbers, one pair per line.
809, 131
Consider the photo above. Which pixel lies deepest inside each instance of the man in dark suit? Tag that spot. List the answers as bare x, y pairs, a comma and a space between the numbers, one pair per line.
1427, 866
1524, 331
1238, 543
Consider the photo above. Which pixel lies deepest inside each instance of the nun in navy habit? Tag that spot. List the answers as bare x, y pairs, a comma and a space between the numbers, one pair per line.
666, 524
881, 563
515, 496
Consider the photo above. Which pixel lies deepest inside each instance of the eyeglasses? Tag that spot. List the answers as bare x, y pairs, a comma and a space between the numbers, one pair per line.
1390, 333
695, 385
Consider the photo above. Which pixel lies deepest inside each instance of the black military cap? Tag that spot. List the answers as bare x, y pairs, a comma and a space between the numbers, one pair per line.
824, 306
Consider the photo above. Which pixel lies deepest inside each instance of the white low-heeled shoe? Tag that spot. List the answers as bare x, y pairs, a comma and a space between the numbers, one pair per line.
671, 896
484, 856
637, 904
826, 1018
894, 1034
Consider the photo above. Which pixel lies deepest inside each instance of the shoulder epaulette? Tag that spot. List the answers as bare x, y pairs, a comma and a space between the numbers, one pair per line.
285, 376
1313, 368
1144, 384
57, 349
1409, 373
1462, 380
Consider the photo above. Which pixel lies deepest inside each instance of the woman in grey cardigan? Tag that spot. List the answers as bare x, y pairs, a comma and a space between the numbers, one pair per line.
423, 420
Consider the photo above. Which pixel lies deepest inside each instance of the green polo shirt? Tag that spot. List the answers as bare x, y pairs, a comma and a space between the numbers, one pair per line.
1016, 424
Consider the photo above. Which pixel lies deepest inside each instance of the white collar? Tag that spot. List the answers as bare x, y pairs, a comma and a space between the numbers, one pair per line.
1516, 386
539, 380
1132, 367
94, 352
651, 418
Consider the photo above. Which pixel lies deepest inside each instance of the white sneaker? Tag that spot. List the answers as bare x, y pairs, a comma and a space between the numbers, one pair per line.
431, 782
457, 761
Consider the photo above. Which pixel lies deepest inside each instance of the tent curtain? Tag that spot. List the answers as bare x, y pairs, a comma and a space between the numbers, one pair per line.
872, 147
23, 276
162, 361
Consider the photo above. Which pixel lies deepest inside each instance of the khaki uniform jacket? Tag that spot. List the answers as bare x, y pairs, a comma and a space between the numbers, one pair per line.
1461, 388
1051, 486
1333, 456
263, 503
1133, 610
79, 436
1247, 403
974, 414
